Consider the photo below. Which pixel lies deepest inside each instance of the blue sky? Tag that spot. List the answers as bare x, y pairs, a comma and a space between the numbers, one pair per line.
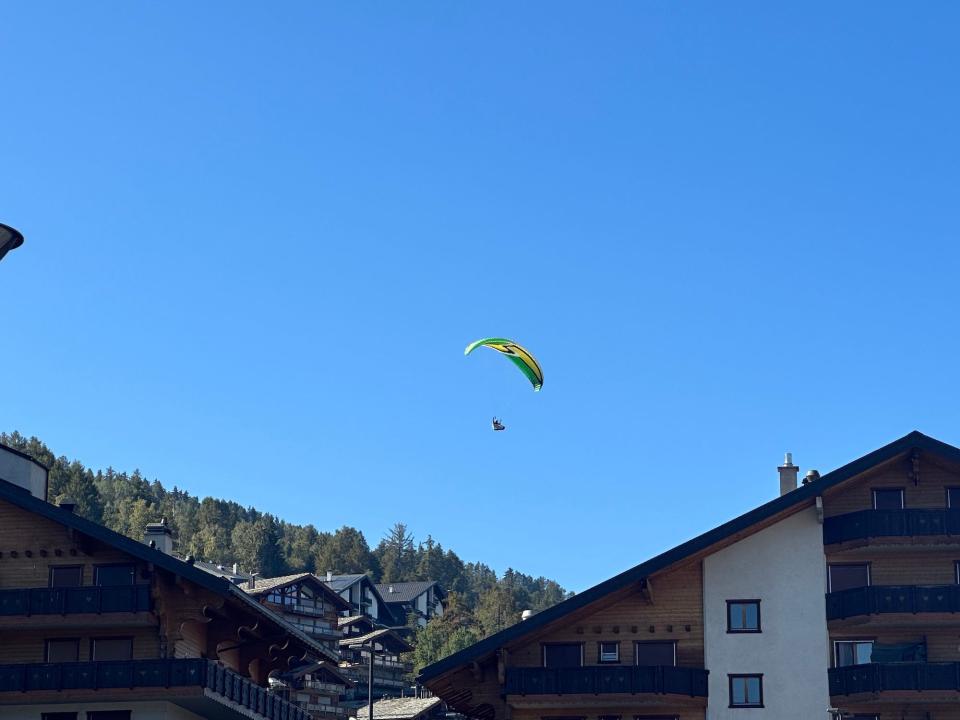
260, 236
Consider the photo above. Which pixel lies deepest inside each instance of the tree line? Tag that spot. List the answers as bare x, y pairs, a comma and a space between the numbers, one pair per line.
223, 531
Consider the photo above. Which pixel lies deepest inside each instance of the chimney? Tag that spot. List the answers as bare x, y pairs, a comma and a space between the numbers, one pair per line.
235, 568
788, 474
252, 582
811, 476
329, 575
160, 536
390, 589
526, 615
67, 504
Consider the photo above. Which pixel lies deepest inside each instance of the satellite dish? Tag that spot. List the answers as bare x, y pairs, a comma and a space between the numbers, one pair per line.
10, 239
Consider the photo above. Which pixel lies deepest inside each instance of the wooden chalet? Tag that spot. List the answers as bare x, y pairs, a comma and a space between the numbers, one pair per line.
840, 598
424, 599
364, 598
392, 675
97, 626
317, 688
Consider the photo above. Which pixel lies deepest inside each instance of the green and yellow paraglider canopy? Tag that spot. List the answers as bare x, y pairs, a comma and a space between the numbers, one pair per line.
516, 354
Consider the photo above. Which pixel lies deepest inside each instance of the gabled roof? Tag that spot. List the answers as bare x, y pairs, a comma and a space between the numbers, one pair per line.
355, 620
263, 586
322, 666
382, 636
342, 582
24, 456
16, 495
402, 592
803, 494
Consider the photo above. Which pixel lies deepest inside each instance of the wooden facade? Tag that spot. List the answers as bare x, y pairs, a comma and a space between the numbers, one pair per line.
92, 619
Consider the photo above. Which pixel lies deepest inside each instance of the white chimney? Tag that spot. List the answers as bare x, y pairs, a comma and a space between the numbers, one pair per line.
788, 474
235, 568
329, 575
159, 536
526, 614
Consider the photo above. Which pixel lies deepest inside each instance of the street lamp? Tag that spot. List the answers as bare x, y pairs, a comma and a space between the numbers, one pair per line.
369, 646
9, 239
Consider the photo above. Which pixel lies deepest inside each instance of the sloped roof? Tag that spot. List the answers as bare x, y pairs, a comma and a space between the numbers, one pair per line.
399, 708
354, 619
16, 495
322, 666
342, 582
262, 586
381, 635
402, 592
803, 494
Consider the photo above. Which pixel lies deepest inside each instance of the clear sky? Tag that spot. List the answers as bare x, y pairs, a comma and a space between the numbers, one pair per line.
259, 236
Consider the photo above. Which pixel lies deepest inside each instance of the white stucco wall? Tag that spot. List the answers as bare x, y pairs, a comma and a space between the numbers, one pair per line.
23, 472
139, 711
783, 566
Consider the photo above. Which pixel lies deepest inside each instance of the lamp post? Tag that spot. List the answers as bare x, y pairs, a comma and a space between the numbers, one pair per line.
9, 239
370, 646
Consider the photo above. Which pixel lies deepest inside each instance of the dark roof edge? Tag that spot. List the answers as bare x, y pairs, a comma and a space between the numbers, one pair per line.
25, 456
316, 581
802, 494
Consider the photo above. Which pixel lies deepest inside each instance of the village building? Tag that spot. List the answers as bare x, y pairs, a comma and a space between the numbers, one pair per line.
839, 598
392, 675
407, 708
98, 626
423, 599
362, 594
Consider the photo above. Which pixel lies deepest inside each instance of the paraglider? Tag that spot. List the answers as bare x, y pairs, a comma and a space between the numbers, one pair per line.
519, 356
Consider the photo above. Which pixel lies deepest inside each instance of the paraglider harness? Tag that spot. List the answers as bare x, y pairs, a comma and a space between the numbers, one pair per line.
497, 425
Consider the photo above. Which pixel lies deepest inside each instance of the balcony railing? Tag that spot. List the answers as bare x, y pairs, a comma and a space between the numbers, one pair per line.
657, 679
893, 599
323, 686
911, 522
880, 677
73, 600
150, 674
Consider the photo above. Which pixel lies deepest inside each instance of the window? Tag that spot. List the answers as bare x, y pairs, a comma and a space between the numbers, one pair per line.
888, 499
608, 652
108, 715
62, 650
655, 717
844, 577
114, 575
743, 616
656, 653
608, 717
561, 655
58, 716
66, 576
111, 649
852, 652
746, 690
953, 497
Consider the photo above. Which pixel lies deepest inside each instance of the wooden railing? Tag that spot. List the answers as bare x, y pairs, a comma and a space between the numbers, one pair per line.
657, 679
150, 674
893, 599
880, 677
909, 522
74, 600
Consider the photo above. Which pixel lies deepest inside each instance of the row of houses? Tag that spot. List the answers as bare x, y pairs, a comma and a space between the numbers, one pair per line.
840, 598
98, 626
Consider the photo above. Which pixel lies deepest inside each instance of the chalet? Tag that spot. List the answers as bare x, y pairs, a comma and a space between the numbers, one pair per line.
423, 599
97, 626
406, 708
841, 597
316, 688
391, 673
360, 591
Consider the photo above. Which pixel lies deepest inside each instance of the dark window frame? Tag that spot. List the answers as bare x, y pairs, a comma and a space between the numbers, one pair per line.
46, 647
874, 491
545, 645
849, 564
59, 716
656, 717
739, 676
93, 642
74, 566
109, 714
956, 572
131, 565
739, 631
636, 655
946, 492
836, 654
600, 644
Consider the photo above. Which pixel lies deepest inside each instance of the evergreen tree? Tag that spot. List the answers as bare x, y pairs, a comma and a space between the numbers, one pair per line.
396, 555
345, 553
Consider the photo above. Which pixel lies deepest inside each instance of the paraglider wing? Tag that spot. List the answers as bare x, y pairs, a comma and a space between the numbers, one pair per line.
518, 355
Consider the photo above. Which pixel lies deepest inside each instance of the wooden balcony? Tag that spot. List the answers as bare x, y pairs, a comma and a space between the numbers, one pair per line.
75, 600
919, 680
652, 679
892, 524
893, 599
216, 690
